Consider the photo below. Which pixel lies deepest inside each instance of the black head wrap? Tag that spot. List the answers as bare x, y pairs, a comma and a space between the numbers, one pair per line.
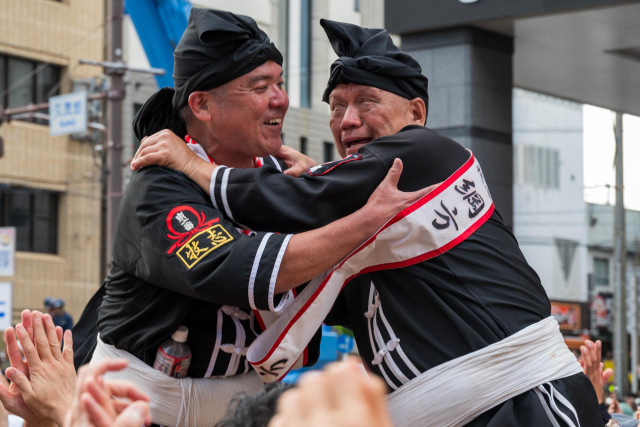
368, 57
216, 48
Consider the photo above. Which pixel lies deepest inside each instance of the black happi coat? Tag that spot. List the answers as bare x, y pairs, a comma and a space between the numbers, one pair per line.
177, 261
479, 292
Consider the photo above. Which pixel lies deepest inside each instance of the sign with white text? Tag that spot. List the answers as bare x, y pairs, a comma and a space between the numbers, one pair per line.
6, 304
68, 113
7, 251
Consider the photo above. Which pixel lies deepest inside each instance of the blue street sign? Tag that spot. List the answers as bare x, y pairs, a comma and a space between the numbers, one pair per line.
345, 343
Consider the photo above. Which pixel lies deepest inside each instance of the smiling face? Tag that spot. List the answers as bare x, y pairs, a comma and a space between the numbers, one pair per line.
246, 117
361, 113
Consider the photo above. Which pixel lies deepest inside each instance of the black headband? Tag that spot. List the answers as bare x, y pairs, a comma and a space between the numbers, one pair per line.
216, 48
369, 57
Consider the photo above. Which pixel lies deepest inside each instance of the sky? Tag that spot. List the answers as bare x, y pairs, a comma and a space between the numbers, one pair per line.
599, 152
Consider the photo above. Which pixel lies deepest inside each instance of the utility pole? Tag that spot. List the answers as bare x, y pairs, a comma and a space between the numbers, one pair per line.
114, 120
115, 69
633, 309
620, 345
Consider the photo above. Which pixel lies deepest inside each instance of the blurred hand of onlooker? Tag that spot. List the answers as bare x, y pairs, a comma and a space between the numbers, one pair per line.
341, 395
94, 403
42, 385
4, 414
591, 361
614, 407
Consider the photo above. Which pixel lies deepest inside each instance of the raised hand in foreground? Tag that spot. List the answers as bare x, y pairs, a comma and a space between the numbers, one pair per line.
94, 403
341, 395
42, 385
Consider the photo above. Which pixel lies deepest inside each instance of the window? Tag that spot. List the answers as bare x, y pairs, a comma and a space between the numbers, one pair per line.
601, 272
305, 54
24, 82
19, 83
327, 152
537, 166
298, 52
47, 82
303, 145
34, 214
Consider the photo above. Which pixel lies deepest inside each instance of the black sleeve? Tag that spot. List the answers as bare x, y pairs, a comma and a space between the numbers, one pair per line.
604, 411
264, 199
170, 236
86, 330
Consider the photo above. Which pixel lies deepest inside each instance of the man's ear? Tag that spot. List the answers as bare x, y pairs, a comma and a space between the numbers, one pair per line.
199, 102
418, 111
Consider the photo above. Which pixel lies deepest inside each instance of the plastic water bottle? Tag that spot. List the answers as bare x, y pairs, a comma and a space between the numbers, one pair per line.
174, 355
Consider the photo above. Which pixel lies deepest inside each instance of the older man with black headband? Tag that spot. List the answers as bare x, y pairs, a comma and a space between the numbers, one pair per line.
442, 303
176, 261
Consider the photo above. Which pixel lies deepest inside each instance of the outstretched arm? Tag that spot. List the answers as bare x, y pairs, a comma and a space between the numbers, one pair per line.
165, 148
341, 235
309, 253
329, 192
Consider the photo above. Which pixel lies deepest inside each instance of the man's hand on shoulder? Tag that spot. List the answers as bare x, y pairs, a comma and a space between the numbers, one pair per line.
295, 160
165, 148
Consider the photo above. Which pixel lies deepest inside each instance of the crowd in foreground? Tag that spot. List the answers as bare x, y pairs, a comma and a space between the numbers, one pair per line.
44, 390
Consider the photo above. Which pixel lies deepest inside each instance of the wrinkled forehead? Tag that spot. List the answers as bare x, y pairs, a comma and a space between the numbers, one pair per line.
344, 90
352, 91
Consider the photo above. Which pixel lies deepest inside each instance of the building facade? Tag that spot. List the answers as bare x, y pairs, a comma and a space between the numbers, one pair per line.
50, 186
602, 265
569, 242
550, 215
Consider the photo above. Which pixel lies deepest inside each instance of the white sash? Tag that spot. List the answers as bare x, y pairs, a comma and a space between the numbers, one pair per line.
183, 402
484, 378
265, 318
428, 228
